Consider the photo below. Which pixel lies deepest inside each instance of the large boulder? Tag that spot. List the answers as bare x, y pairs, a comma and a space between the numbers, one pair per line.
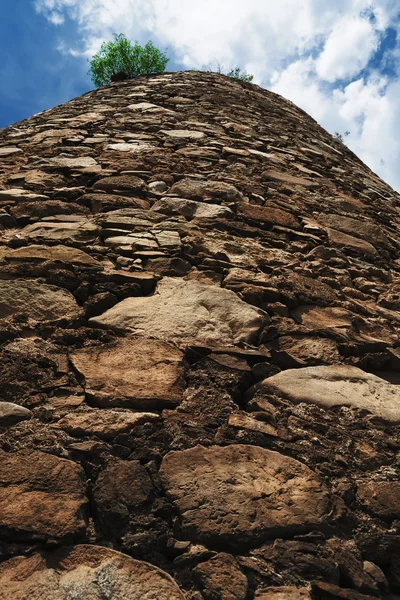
83, 573
237, 496
200, 312
337, 385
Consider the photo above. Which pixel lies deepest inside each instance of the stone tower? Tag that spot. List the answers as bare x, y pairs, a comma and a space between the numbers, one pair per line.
199, 329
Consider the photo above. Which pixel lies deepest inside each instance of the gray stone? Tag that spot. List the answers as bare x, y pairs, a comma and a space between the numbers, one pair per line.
200, 311
337, 385
184, 134
63, 162
12, 413
191, 209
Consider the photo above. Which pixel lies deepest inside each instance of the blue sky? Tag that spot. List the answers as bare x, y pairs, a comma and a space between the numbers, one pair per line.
340, 61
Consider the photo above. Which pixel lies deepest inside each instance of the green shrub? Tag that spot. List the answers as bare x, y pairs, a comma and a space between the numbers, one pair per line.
341, 136
240, 74
119, 59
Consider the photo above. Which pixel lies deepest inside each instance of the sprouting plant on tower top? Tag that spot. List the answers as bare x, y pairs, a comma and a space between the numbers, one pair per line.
119, 59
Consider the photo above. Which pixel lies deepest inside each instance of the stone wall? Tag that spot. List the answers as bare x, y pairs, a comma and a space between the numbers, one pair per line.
199, 329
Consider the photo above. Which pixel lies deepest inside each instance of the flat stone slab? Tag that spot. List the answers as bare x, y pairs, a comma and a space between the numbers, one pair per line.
105, 424
266, 214
290, 179
365, 229
241, 495
38, 301
82, 573
60, 253
197, 189
183, 134
191, 209
81, 231
130, 147
343, 240
135, 372
337, 385
21, 194
81, 162
121, 184
41, 496
8, 151
200, 312
317, 318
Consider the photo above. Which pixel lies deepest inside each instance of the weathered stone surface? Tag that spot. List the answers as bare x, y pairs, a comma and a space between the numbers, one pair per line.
381, 498
84, 572
41, 496
135, 147
20, 194
59, 253
364, 229
330, 591
4, 151
337, 385
73, 163
105, 202
241, 495
120, 184
194, 189
317, 319
200, 312
343, 240
135, 372
191, 209
105, 424
36, 301
81, 231
221, 577
287, 178
290, 352
266, 214
185, 134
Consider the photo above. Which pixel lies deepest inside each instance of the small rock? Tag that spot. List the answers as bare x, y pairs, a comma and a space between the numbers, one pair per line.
157, 187
12, 413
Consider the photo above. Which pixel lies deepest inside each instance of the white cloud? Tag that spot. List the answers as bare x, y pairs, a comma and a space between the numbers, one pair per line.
312, 52
348, 49
56, 18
